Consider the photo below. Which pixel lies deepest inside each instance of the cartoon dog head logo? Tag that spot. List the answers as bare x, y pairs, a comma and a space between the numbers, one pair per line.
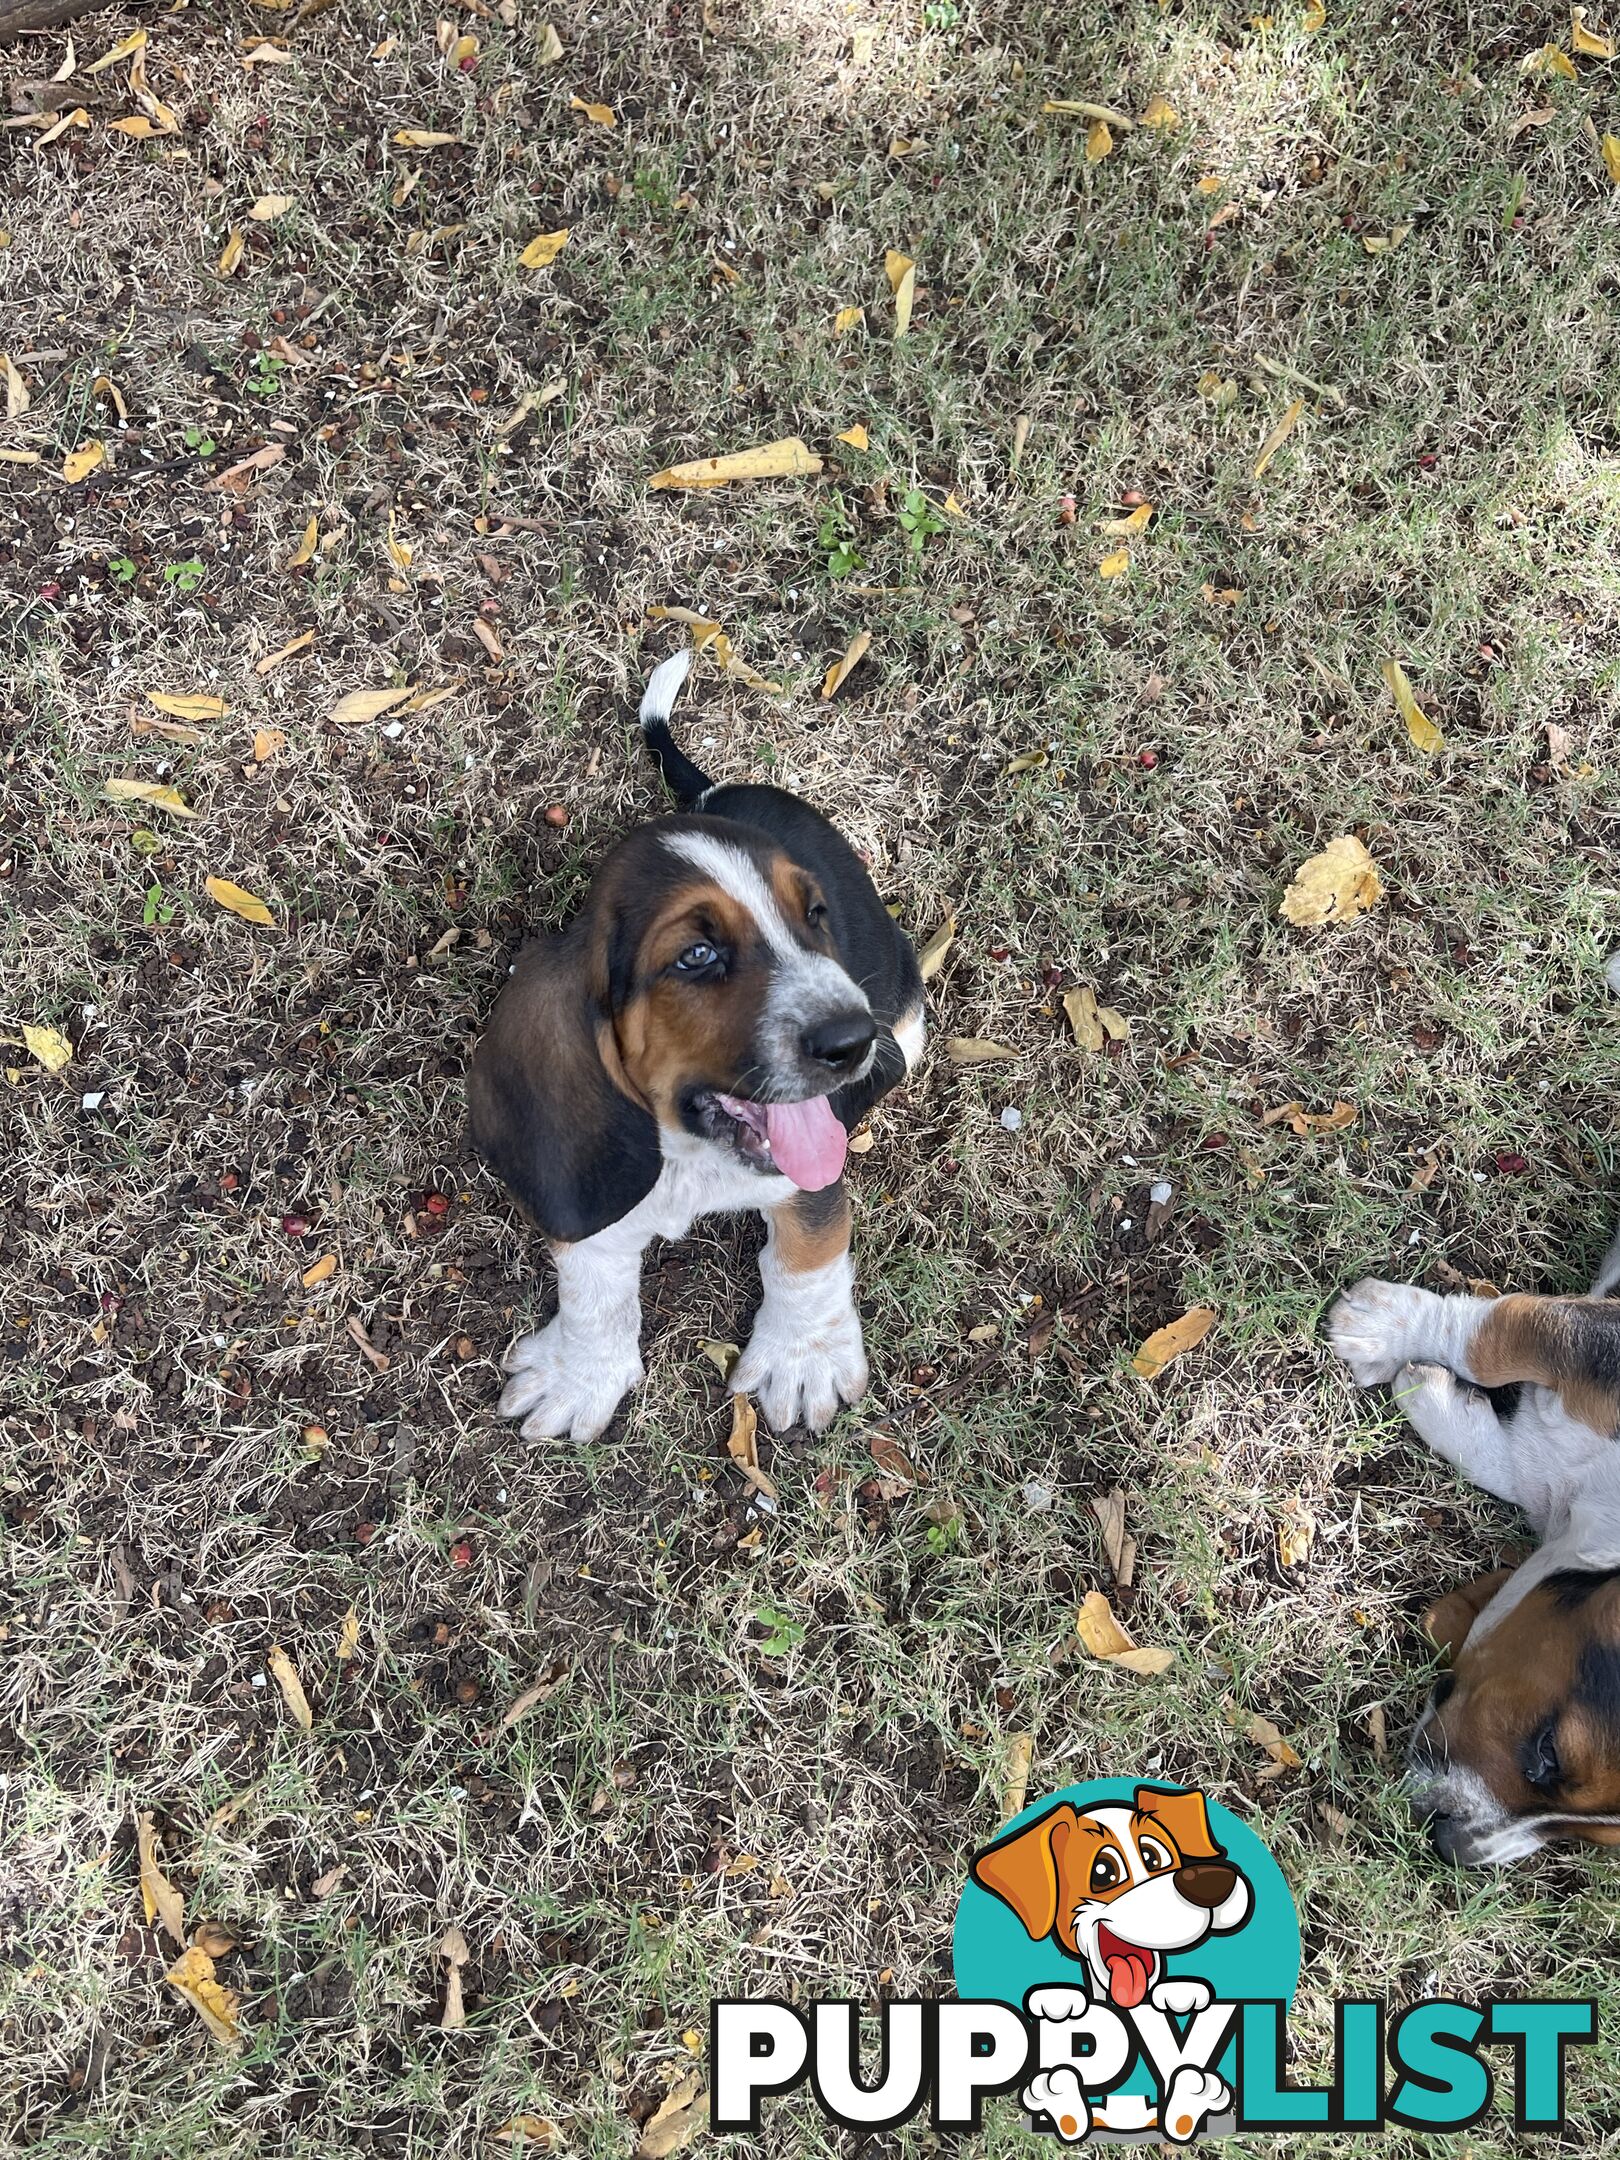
1119, 1887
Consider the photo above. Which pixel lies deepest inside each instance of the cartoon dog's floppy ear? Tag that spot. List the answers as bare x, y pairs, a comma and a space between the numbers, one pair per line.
1024, 1870
1183, 1816
545, 1111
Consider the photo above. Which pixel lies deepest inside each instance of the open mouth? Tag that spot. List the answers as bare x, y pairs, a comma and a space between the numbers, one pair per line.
802, 1140
1130, 1968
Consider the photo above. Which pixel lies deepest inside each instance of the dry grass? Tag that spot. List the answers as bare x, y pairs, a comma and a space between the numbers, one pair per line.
1452, 502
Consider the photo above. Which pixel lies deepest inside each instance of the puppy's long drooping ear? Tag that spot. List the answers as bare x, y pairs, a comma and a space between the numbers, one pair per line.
545, 1110
1024, 1871
1183, 1816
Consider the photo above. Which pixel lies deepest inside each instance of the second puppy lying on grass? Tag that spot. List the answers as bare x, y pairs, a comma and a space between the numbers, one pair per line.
1520, 1741
731, 1000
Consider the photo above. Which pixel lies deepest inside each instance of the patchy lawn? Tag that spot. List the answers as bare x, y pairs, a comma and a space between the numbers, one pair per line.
767, 1742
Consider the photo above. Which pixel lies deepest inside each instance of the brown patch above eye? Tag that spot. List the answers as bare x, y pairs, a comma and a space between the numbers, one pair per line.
795, 892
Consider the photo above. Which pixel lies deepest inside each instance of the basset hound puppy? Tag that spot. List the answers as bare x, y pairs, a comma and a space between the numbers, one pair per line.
1520, 1741
730, 1001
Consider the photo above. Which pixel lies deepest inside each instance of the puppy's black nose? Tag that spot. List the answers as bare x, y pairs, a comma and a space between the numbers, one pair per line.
839, 1041
1206, 1882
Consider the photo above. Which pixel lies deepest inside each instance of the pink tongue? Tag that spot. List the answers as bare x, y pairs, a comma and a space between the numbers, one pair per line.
808, 1144
1128, 1973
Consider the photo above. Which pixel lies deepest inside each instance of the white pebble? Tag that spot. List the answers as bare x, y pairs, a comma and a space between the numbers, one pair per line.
1160, 1193
1011, 1119
1037, 1497
94, 1100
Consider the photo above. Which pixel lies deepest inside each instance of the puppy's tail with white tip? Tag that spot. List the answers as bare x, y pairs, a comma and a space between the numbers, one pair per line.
685, 781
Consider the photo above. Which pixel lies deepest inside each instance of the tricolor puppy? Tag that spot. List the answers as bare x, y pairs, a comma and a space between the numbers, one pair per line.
1119, 1888
1520, 1741
732, 998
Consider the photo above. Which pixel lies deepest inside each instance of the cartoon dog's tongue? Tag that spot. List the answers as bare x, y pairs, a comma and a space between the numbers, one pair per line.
808, 1144
1129, 1969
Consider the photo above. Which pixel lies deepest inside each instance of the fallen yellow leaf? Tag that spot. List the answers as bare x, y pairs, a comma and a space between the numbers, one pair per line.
784, 460
399, 554
121, 51
599, 115
52, 1050
1550, 60
423, 138
1335, 886
286, 1678
1160, 113
1211, 184
149, 791
1610, 149
240, 902
1588, 42
17, 398
215, 2004
187, 706
1425, 735
847, 318
81, 463
932, 957
1314, 17
975, 1050
270, 207
266, 742
902, 275
1100, 1631
305, 549
1265, 1735
231, 254
348, 1641
679, 2118
534, 2130
1081, 1007
1278, 436
1118, 528
1115, 565
321, 1271
1094, 1025
1099, 142
367, 705
1301, 1121
271, 661
160, 1900
1085, 110
856, 437
841, 670
1296, 1533
1168, 1342
1015, 1790
544, 248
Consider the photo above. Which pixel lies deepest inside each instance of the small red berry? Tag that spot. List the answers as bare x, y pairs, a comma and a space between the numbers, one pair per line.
295, 1226
556, 815
1147, 759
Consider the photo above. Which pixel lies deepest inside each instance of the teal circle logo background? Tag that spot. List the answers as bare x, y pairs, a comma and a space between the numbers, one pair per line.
993, 1959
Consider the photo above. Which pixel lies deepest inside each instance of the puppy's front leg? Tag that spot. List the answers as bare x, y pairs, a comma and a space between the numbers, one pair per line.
571, 1376
805, 1356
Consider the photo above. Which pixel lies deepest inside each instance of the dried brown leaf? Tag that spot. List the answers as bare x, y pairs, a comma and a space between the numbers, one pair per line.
1169, 1342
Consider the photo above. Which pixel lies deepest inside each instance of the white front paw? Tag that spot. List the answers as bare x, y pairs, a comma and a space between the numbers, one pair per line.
1378, 1327
802, 1379
1181, 1998
559, 1388
1058, 2097
1061, 2004
1190, 2099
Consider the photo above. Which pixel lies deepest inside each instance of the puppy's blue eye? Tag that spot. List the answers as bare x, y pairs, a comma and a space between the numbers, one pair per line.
696, 958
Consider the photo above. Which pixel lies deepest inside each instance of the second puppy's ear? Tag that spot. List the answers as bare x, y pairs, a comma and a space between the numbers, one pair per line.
544, 1109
